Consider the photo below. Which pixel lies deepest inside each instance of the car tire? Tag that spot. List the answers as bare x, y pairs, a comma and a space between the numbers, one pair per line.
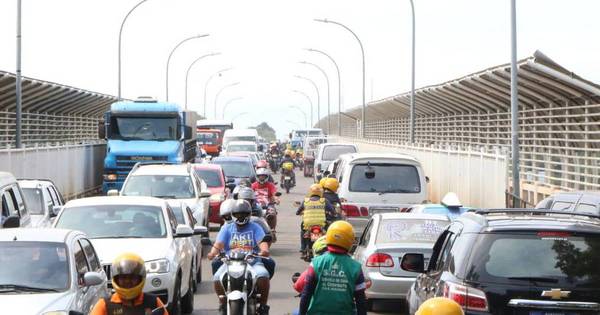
187, 302
175, 305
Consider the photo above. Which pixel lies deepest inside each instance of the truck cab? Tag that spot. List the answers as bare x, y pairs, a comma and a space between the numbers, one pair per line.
145, 130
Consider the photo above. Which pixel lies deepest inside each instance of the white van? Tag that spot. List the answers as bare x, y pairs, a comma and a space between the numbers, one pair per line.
14, 210
240, 135
376, 183
327, 153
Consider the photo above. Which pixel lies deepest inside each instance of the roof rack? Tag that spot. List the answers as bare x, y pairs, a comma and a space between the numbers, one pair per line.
532, 211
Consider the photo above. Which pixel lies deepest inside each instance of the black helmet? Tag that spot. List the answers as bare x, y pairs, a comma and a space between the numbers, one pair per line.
241, 212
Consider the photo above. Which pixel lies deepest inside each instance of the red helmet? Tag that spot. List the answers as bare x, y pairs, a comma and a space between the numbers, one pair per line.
262, 164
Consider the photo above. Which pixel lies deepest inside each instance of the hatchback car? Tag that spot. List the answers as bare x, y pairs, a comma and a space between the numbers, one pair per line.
381, 247
49, 271
143, 225
214, 177
513, 261
43, 200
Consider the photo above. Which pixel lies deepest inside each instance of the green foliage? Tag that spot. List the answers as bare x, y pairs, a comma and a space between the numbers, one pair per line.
265, 131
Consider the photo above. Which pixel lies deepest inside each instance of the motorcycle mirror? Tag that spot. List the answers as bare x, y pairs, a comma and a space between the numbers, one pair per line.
277, 194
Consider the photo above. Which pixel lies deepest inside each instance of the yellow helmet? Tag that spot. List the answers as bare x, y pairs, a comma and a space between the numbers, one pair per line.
340, 234
288, 166
315, 190
319, 246
439, 306
322, 181
331, 184
128, 264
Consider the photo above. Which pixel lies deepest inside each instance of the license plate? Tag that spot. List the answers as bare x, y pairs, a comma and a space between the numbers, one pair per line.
551, 313
287, 178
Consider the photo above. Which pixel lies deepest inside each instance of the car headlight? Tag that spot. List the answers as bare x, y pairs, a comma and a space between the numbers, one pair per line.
157, 266
110, 177
216, 197
56, 313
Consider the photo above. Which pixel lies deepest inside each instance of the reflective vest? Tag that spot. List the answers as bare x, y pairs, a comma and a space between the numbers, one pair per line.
314, 213
336, 275
147, 306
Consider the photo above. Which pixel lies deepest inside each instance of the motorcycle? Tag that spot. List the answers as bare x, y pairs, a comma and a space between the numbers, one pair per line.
299, 161
240, 290
287, 181
274, 162
309, 163
312, 235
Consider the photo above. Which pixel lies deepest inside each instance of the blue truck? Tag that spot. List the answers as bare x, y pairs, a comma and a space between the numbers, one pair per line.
145, 130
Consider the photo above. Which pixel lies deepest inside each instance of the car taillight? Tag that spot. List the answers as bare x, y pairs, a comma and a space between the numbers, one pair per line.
354, 211
380, 260
469, 298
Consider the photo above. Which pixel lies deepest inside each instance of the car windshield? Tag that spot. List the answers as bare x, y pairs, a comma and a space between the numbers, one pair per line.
160, 186
386, 178
560, 259
210, 177
144, 128
34, 200
333, 152
409, 231
236, 169
114, 221
241, 147
33, 267
209, 138
240, 138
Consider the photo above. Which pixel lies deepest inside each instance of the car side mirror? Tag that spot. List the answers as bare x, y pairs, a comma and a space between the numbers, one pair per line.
183, 231
91, 279
204, 194
205, 241
230, 181
54, 211
277, 194
187, 132
112, 193
413, 263
200, 230
12, 221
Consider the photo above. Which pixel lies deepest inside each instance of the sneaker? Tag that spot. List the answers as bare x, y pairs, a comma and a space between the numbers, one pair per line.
263, 310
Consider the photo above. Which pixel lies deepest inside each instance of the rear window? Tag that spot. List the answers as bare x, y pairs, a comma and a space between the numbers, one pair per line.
543, 258
331, 153
389, 178
409, 231
34, 200
208, 138
210, 177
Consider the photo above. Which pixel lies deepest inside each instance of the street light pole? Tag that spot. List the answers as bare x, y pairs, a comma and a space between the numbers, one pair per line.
318, 98
514, 102
169, 61
412, 89
328, 93
303, 113
187, 75
218, 73
238, 115
339, 87
295, 123
310, 102
120, 41
19, 100
362, 50
219, 93
227, 104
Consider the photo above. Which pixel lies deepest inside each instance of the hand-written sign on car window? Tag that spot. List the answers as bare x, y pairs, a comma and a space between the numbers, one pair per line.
410, 231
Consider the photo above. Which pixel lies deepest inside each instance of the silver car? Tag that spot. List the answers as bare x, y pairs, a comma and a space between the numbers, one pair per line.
49, 271
387, 237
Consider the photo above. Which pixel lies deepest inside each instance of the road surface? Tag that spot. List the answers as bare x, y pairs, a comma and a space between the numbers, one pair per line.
285, 252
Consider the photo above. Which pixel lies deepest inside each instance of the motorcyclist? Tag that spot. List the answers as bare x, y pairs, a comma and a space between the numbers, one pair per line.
262, 164
334, 278
330, 188
263, 188
246, 236
318, 248
287, 158
440, 306
315, 210
128, 274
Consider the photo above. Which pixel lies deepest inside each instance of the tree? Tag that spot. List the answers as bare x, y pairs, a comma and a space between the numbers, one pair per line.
265, 131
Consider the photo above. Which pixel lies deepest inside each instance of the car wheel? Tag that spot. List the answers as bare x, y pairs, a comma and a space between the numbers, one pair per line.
175, 307
187, 302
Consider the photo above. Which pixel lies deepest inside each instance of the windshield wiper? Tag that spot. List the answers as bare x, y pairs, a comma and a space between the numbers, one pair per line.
15, 287
391, 191
166, 197
535, 279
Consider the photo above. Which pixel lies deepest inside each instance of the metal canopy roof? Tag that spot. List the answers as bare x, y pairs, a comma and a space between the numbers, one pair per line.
542, 83
48, 97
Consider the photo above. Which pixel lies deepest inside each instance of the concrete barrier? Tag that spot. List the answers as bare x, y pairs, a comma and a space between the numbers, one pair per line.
478, 178
75, 169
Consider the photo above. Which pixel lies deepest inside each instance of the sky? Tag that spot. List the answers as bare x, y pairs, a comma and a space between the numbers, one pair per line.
74, 42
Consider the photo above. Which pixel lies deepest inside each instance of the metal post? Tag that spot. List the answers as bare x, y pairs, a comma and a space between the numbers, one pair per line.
18, 81
318, 98
169, 61
187, 75
311, 105
120, 36
219, 93
227, 104
412, 84
219, 73
303, 113
514, 102
339, 118
362, 50
328, 93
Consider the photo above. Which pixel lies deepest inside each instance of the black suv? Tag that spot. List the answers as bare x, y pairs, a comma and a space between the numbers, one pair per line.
513, 261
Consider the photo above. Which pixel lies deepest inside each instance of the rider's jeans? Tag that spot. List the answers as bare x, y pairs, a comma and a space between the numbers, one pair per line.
257, 269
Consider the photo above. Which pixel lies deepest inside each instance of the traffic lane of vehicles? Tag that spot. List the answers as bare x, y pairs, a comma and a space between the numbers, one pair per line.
286, 254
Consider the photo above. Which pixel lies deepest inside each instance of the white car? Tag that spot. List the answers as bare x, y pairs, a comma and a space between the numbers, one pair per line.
145, 226
241, 146
43, 200
327, 153
13, 207
170, 182
376, 183
49, 271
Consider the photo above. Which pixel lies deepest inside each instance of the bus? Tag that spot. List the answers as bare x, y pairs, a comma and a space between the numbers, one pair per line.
221, 125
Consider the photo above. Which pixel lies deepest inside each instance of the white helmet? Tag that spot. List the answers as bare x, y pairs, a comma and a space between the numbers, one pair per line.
262, 172
226, 208
246, 194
